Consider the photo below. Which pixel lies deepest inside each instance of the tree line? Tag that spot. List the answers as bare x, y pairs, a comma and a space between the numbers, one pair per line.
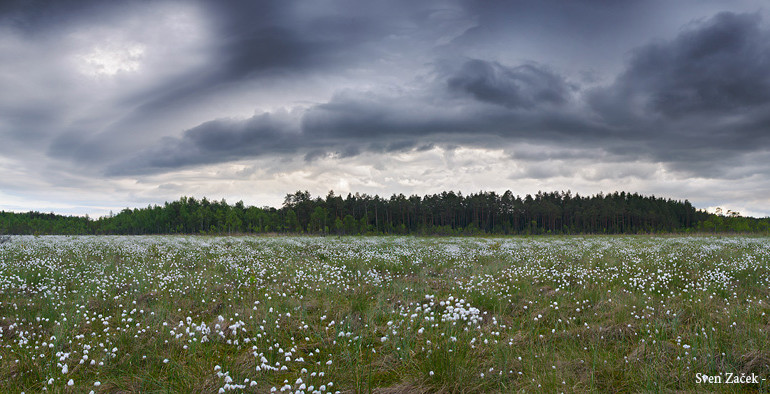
447, 213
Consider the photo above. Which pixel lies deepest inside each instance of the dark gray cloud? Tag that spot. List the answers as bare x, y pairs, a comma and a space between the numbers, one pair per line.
697, 99
257, 41
524, 86
36, 17
355, 122
695, 102
216, 141
715, 67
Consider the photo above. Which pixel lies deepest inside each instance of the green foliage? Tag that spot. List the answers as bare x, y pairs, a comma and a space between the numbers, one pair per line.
439, 214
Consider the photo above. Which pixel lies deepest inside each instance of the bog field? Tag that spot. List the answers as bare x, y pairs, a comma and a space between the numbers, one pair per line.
384, 314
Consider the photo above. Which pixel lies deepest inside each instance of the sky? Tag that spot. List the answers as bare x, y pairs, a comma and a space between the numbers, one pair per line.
108, 105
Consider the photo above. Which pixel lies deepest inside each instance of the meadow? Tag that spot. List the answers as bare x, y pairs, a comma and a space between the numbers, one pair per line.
383, 314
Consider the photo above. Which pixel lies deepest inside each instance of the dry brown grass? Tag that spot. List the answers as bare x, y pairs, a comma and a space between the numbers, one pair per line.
757, 361
404, 388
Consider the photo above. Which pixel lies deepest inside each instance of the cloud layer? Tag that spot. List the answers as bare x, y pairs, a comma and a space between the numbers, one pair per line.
147, 100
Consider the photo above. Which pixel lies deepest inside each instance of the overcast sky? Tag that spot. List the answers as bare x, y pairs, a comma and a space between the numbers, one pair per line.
107, 105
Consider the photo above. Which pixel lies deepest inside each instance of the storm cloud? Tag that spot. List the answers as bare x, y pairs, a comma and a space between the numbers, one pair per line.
524, 86
698, 99
138, 96
716, 67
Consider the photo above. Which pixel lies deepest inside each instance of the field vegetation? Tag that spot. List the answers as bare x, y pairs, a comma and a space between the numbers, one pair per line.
382, 314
